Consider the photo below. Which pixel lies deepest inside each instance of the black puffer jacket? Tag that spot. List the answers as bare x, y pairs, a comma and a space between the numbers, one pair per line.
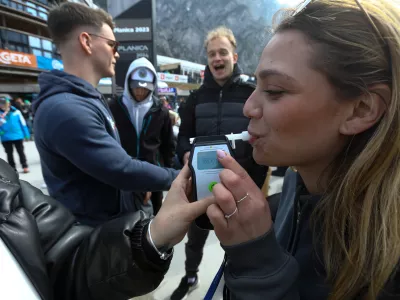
216, 110
156, 141
68, 261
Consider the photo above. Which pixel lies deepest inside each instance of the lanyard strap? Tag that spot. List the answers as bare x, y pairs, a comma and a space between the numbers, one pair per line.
214, 285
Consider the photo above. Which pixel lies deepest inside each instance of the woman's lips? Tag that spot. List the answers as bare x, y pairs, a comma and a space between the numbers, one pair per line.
253, 138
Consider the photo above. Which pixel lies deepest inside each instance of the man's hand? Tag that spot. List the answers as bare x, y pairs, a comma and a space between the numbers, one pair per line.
186, 158
172, 222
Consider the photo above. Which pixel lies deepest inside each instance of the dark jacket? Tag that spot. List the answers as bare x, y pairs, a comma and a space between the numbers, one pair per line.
67, 261
155, 143
216, 110
285, 263
83, 163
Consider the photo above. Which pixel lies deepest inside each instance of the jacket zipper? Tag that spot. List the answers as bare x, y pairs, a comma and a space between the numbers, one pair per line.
145, 126
299, 209
138, 135
296, 230
219, 113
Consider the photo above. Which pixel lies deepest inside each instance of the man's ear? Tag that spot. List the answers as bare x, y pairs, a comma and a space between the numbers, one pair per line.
235, 58
86, 42
367, 110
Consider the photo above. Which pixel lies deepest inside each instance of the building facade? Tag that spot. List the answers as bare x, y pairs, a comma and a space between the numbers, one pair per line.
26, 49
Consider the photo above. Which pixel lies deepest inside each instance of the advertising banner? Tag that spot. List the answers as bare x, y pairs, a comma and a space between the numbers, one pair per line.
19, 59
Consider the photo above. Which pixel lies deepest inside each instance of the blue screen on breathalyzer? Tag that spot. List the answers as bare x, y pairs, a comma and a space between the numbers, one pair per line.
208, 161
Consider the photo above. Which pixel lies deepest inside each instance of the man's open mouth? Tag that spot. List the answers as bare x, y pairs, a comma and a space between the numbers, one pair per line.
219, 67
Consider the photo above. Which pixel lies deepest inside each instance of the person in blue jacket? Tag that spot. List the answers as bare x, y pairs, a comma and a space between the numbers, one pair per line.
13, 131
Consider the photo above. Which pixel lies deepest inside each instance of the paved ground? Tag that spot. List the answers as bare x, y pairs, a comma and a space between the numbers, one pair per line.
213, 253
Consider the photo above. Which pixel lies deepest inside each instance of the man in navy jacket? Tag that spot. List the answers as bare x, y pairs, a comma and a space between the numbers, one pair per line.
83, 163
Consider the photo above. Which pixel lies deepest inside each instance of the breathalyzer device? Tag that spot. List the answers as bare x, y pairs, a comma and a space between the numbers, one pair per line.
205, 167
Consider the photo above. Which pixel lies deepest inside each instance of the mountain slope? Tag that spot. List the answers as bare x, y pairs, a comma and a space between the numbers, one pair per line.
183, 24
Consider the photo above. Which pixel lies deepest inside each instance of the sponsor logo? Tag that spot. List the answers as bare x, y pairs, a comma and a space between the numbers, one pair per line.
9, 58
132, 48
57, 65
143, 84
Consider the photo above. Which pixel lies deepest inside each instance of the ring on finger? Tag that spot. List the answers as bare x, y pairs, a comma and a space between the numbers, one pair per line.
243, 198
230, 215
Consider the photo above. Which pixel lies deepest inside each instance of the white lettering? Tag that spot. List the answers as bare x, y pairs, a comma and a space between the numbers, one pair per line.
131, 30
142, 29
139, 55
132, 48
124, 30
9, 58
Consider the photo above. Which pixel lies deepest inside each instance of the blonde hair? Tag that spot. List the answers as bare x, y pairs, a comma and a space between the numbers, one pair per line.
358, 219
219, 32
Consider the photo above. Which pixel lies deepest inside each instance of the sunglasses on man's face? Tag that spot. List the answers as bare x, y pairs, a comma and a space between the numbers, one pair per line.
112, 43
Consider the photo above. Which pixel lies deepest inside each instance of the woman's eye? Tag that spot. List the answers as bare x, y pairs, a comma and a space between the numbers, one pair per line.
274, 93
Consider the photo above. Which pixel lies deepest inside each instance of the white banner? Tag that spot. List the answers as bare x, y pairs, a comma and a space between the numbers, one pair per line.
172, 78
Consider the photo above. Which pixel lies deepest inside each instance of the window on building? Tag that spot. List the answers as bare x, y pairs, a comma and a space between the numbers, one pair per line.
34, 42
47, 45
16, 5
20, 42
23, 49
15, 41
31, 9
45, 2
37, 52
47, 54
3, 37
14, 37
42, 13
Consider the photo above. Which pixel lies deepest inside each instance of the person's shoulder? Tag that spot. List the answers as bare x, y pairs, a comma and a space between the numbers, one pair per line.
194, 94
68, 106
116, 105
245, 84
200, 90
59, 100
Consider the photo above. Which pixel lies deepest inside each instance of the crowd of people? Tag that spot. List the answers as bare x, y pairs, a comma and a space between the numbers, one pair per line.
326, 102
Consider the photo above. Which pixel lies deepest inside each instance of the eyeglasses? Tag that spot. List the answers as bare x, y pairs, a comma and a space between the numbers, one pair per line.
305, 3
114, 44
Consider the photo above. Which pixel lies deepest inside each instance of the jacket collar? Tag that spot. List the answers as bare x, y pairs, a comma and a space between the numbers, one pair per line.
210, 82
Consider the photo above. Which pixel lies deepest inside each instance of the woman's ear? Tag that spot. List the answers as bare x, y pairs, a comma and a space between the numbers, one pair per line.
367, 110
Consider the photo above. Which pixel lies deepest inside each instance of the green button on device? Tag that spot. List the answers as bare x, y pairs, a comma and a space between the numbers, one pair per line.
211, 186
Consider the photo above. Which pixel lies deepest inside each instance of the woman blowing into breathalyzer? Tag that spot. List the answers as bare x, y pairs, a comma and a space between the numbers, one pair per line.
327, 103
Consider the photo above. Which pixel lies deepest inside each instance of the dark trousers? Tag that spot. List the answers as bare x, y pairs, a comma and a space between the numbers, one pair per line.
194, 249
9, 148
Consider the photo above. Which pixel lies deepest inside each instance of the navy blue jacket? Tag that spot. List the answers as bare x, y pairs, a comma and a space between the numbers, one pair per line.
83, 163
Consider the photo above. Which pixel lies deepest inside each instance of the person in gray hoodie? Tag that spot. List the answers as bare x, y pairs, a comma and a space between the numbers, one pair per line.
144, 125
327, 103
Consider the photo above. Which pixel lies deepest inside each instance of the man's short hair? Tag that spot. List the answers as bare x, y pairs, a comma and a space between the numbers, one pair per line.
219, 32
65, 18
